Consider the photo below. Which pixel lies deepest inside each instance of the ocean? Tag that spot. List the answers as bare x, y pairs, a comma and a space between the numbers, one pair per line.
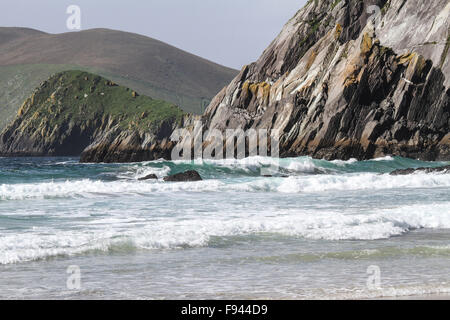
330, 230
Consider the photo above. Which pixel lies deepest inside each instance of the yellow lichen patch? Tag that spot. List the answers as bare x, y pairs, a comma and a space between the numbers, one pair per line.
366, 44
260, 90
419, 63
351, 73
405, 58
35, 116
311, 59
349, 81
245, 87
43, 132
253, 88
338, 31
21, 111
265, 90
415, 67
445, 140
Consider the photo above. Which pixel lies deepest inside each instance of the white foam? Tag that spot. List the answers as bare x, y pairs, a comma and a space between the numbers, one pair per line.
300, 184
117, 231
387, 158
395, 292
365, 181
343, 163
98, 189
145, 171
301, 164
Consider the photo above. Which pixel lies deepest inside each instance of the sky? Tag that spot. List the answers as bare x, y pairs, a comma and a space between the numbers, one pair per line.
230, 32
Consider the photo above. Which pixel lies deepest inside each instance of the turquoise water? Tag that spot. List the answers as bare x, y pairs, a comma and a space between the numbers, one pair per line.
234, 235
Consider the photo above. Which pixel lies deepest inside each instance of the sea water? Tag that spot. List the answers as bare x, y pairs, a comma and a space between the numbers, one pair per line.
316, 229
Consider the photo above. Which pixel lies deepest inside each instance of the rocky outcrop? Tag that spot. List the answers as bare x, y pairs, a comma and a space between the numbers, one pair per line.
404, 172
77, 113
341, 82
149, 177
188, 176
116, 145
344, 79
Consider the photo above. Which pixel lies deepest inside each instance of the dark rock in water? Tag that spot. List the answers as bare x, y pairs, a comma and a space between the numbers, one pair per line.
271, 176
149, 177
424, 170
188, 176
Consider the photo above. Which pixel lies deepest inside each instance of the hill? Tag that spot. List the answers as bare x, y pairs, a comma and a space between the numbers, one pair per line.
156, 69
73, 108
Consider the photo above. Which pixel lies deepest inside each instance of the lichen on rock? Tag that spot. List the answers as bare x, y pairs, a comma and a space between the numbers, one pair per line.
358, 90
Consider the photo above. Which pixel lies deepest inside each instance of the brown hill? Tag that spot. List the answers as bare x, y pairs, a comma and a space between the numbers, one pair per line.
147, 65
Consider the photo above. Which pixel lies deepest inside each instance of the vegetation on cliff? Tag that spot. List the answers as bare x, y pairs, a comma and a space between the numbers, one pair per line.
80, 97
337, 83
68, 111
340, 82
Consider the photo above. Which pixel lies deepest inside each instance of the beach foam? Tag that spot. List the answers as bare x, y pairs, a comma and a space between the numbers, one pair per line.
297, 184
117, 232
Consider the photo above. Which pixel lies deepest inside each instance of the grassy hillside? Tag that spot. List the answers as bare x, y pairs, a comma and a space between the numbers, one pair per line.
17, 83
70, 110
79, 97
28, 57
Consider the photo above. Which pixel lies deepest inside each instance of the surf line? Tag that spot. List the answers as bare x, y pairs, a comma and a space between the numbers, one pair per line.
200, 311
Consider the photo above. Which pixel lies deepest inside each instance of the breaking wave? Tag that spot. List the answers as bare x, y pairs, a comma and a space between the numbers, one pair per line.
295, 184
115, 235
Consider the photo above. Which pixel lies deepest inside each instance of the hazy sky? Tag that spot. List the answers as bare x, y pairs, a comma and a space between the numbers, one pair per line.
229, 32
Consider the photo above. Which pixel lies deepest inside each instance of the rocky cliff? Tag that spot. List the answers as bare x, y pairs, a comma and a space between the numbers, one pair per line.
77, 111
345, 79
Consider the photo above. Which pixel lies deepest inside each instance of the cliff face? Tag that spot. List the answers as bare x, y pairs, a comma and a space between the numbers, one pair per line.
115, 145
339, 82
75, 110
